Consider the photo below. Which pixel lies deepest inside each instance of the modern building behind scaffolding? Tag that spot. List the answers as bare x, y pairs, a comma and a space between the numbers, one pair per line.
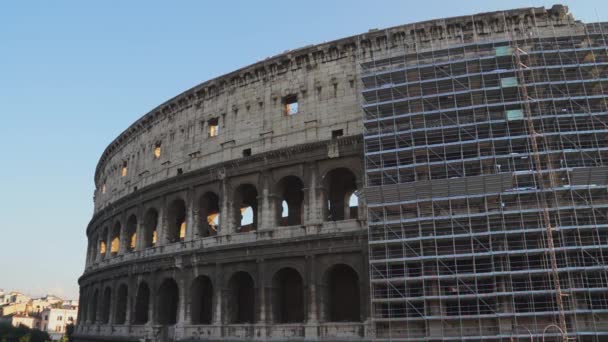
486, 152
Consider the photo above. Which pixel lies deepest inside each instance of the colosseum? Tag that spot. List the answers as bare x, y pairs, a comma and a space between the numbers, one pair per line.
436, 181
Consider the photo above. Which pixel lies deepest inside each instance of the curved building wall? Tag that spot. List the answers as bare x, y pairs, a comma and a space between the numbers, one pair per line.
475, 145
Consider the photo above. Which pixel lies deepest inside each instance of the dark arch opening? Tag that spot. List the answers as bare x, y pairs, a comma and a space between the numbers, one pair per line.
202, 300
340, 184
131, 234
168, 301
177, 221
121, 304
150, 228
209, 212
92, 315
343, 294
142, 304
105, 306
83, 307
246, 208
291, 195
288, 296
93, 254
241, 300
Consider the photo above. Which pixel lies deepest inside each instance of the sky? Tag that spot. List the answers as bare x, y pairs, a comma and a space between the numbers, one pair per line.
75, 74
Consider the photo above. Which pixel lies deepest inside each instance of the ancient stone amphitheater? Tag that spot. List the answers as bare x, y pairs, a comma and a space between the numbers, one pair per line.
238, 210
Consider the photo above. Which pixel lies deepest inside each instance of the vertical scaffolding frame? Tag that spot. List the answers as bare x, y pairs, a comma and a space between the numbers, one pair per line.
487, 186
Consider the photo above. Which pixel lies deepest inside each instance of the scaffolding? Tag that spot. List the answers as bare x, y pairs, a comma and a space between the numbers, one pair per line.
487, 186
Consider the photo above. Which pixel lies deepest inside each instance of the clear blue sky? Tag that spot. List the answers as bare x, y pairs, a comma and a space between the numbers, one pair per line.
74, 74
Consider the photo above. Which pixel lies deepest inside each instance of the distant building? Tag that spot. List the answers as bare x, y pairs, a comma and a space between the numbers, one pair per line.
54, 321
13, 297
13, 308
40, 304
16, 320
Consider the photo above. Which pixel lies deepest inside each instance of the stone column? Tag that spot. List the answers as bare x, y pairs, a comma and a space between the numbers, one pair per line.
261, 302
218, 286
226, 215
122, 238
139, 230
313, 196
183, 317
109, 241
161, 229
312, 320
266, 210
190, 219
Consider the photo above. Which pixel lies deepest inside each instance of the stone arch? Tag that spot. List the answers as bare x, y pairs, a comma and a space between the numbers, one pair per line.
209, 214
93, 242
201, 305
106, 305
92, 315
115, 239
290, 200
131, 234
150, 238
142, 304
246, 208
122, 297
288, 304
167, 302
176, 219
241, 299
342, 294
339, 184
103, 243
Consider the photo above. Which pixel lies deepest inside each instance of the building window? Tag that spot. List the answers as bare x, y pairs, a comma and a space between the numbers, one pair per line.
247, 152
214, 127
157, 150
337, 133
123, 172
290, 104
60, 318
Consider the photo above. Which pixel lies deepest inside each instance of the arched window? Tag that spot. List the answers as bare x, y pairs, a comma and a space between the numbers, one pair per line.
342, 302
246, 208
168, 301
142, 304
340, 184
202, 300
151, 228
240, 305
131, 233
121, 304
209, 212
291, 196
288, 296
103, 247
177, 221
115, 240
105, 306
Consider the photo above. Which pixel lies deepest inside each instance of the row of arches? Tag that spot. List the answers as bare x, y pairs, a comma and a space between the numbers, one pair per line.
288, 199
240, 300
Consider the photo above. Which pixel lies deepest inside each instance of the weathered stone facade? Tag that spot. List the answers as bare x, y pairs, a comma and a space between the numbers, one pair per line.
231, 211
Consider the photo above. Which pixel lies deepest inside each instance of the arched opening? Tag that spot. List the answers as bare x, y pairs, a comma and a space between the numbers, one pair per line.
291, 196
202, 300
340, 184
131, 233
246, 208
92, 315
105, 306
177, 221
241, 300
115, 239
342, 294
150, 228
103, 247
120, 316
168, 300
353, 205
209, 212
83, 308
142, 304
288, 296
